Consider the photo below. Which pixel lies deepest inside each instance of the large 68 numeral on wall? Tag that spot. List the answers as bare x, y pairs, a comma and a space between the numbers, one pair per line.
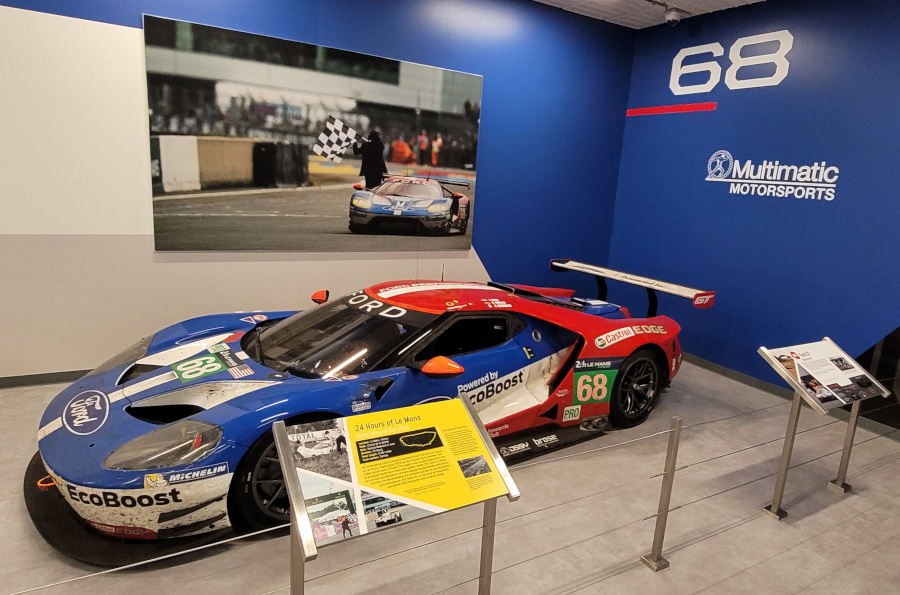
778, 58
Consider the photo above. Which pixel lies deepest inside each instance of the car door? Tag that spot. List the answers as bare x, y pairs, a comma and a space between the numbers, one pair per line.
484, 345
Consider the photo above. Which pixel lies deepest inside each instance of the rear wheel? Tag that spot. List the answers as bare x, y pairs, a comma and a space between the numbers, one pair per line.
636, 389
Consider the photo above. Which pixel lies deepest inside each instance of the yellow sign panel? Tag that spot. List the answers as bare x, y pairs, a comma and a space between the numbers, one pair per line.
429, 453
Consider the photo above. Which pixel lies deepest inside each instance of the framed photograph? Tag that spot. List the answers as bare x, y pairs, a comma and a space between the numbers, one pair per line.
259, 143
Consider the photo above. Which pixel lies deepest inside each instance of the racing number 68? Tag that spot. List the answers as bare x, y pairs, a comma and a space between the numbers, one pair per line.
199, 367
778, 58
592, 389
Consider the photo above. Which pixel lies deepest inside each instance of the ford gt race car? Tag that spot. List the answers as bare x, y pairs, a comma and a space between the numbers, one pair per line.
172, 437
404, 202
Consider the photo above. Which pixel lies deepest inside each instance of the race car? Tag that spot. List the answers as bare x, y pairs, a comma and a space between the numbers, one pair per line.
410, 203
321, 448
172, 437
387, 517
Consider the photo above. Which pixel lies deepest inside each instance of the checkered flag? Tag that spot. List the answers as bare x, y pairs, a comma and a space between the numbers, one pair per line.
335, 139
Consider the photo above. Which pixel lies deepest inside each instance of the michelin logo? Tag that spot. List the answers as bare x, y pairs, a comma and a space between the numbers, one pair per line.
772, 178
158, 480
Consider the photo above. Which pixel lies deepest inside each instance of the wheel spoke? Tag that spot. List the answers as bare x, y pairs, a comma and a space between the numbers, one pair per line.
274, 496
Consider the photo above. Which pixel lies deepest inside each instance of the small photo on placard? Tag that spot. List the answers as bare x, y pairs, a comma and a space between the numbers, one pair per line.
321, 447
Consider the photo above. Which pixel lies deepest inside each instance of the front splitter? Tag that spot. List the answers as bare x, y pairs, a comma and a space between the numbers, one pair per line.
63, 529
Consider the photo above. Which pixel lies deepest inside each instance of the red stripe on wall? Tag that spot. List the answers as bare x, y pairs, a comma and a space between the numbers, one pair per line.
671, 109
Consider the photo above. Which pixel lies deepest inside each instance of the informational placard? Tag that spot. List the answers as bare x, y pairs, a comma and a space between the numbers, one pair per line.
374, 470
823, 374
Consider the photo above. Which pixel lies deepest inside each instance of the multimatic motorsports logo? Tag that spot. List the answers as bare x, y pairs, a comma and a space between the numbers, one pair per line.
772, 178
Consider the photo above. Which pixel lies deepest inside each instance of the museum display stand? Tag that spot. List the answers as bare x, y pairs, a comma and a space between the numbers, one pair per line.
825, 377
369, 442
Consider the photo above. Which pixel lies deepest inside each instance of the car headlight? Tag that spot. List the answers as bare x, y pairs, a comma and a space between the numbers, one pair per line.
181, 443
380, 200
362, 203
439, 207
133, 353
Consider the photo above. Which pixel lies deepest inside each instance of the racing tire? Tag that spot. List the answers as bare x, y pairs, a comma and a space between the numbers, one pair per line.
464, 227
636, 389
257, 498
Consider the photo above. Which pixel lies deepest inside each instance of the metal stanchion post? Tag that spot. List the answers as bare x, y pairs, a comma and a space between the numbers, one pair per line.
774, 509
303, 543
488, 527
298, 562
654, 559
839, 484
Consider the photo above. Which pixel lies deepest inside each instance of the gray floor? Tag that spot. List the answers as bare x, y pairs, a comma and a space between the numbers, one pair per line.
579, 526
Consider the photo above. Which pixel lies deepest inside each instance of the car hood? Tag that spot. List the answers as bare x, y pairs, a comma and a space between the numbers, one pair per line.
195, 365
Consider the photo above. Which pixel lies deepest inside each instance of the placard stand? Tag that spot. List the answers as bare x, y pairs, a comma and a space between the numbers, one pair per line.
825, 349
303, 545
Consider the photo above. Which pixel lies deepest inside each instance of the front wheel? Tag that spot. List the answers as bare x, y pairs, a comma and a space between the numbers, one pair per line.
636, 389
258, 498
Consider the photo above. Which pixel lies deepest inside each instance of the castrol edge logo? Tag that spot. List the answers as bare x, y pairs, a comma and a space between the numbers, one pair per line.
621, 334
614, 337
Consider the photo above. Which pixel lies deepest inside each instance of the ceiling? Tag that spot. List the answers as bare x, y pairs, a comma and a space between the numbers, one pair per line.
638, 14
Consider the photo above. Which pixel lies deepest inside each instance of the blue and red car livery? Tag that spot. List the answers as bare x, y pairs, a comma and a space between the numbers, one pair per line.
173, 437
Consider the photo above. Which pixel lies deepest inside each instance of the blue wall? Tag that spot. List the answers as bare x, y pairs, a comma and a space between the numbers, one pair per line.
555, 89
786, 270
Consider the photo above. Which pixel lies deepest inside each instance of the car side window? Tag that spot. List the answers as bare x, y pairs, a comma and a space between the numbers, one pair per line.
468, 335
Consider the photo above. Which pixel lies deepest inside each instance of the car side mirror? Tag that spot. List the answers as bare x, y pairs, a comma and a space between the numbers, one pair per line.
320, 297
440, 367
359, 187
457, 195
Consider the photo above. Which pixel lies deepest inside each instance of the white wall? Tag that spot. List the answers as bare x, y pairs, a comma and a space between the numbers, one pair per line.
79, 279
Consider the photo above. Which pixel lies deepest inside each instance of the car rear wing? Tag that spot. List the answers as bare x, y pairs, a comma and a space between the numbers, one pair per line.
699, 297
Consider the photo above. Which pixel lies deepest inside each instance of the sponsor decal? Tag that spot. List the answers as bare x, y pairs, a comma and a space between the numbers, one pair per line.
235, 365
608, 339
115, 500
86, 412
593, 379
494, 432
514, 449
125, 532
260, 317
248, 319
545, 440
358, 406
529, 352
572, 413
816, 181
649, 329
477, 382
495, 303
157, 480
495, 387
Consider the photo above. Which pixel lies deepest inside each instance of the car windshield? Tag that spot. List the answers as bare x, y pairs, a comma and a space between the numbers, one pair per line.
410, 189
348, 336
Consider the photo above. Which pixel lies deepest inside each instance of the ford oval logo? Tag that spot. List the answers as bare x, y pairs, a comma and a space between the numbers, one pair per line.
86, 413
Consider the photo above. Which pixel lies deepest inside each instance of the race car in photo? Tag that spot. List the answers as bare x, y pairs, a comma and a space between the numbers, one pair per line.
412, 204
172, 437
387, 517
